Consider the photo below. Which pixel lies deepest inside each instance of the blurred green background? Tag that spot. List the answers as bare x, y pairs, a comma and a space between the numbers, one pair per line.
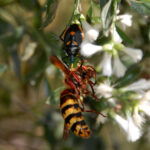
30, 85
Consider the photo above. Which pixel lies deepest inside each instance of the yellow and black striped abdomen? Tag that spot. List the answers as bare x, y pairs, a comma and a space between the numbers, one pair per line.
72, 113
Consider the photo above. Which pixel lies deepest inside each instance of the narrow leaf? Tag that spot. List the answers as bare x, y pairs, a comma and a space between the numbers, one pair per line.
131, 75
104, 13
51, 6
125, 38
103, 3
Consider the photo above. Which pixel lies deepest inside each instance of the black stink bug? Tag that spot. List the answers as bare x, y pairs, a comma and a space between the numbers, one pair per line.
72, 38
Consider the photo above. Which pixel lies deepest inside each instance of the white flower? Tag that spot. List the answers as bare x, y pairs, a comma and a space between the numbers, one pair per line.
133, 132
88, 49
116, 36
118, 68
111, 50
125, 19
144, 104
106, 64
138, 86
90, 32
104, 89
138, 118
135, 54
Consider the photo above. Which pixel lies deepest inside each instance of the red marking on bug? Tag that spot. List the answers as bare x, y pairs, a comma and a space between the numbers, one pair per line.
72, 33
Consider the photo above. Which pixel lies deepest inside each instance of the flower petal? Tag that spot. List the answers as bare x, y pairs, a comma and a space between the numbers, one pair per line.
88, 49
104, 89
138, 119
116, 36
125, 19
138, 86
91, 33
145, 108
132, 131
147, 96
135, 54
144, 104
118, 68
106, 64
122, 122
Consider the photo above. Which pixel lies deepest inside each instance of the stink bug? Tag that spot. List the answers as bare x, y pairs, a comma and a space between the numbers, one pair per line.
72, 38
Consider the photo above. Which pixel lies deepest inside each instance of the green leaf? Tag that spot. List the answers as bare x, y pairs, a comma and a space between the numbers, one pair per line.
51, 6
142, 7
92, 16
125, 38
105, 14
108, 12
131, 75
90, 12
103, 3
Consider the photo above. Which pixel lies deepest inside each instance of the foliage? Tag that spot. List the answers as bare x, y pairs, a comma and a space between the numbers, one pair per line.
30, 85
